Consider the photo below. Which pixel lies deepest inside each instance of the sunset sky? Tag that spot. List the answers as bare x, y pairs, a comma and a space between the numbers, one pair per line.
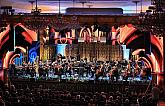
51, 6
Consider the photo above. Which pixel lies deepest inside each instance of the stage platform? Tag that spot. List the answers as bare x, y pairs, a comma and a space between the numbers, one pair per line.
79, 86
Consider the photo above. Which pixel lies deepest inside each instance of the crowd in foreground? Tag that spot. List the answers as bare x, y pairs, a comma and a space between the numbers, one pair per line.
39, 96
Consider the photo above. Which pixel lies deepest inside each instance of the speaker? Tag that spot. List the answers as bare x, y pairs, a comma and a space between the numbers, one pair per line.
11, 38
147, 42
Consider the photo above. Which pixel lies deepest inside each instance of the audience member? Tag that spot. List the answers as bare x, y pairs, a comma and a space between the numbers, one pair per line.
155, 94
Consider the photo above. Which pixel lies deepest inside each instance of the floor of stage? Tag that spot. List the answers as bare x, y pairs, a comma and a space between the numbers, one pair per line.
77, 77
79, 86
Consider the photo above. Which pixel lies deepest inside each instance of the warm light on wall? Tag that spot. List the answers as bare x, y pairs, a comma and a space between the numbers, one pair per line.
156, 66
125, 32
13, 57
21, 48
147, 62
137, 51
4, 33
7, 59
158, 43
31, 34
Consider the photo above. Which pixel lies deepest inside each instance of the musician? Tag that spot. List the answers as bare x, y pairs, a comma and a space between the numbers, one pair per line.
104, 69
127, 71
63, 71
87, 68
53, 66
94, 60
143, 73
98, 70
32, 70
40, 69
126, 74
60, 70
28, 68
81, 68
24, 67
78, 57
116, 73
56, 69
59, 58
109, 71
69, 69
136, 71
68, 59
93, 70
35, 68
47, 68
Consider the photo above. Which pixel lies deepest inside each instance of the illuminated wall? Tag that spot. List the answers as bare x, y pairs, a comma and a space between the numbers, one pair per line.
61, 49
34, 51
94, 33
100, 51
126, 52
49, 52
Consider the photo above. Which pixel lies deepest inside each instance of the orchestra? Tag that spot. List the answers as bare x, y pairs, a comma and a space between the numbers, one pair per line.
94, 69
